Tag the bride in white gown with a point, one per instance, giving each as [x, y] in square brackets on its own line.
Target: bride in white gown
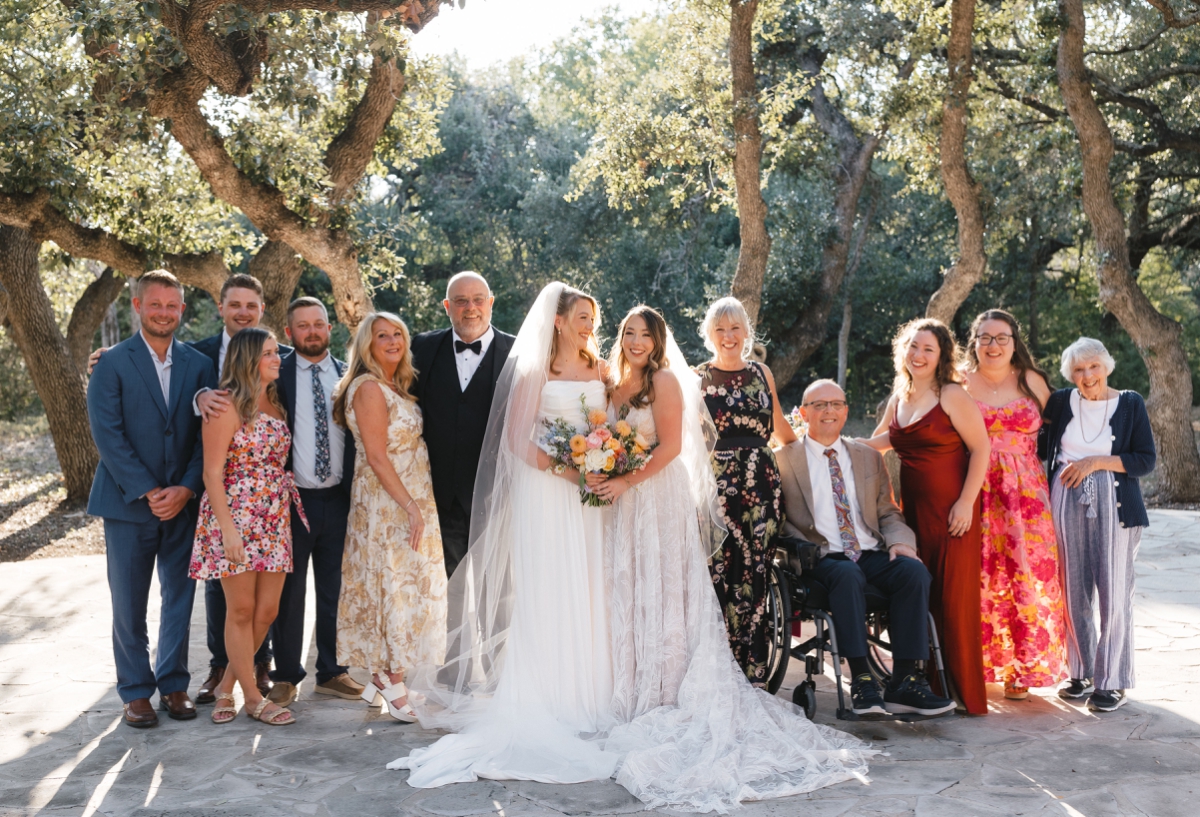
[693, 734]
[528, 678]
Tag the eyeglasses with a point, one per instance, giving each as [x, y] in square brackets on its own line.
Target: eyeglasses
[988, 340]
[477, 302]
[822, 405]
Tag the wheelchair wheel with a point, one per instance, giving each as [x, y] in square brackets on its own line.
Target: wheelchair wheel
[805, 697]
[879, 656]
[779, 628]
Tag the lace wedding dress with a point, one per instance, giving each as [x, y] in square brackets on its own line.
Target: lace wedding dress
[694, 734]
[556, 680]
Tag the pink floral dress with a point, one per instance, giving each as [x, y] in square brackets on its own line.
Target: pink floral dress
[260, 493]
[1022, 601]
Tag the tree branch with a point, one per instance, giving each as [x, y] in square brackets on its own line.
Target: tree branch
[352, 150]
[88, 314]
[1155, 77]
[33, 212]
[1169, 17]
[1008, 92]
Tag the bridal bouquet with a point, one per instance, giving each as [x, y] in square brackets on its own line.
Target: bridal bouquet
[609, 449]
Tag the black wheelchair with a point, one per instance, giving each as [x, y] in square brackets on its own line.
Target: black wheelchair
[795, 596]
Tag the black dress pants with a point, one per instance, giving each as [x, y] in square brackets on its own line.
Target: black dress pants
[328, 510]
[904, 581]
[455, 522]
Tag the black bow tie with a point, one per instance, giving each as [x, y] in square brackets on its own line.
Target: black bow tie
[476, 347]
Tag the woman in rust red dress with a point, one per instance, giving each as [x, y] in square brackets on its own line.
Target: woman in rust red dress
[937, 431]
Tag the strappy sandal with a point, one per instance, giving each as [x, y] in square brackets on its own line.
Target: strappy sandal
[220, 713]
[280, 717]
[392, 692]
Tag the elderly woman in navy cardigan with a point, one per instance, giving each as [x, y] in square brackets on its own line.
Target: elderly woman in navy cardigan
[1097, 442]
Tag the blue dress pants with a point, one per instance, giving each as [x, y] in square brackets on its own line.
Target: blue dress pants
[133, 549]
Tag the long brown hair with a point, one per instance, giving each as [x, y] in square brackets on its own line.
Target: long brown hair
[949, 354]
[566, 302]
[1022, 360]
[657, 359]
[240, 373]
[362, 361]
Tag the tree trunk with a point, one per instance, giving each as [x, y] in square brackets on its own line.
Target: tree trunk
[278, 267]
[850, 174]
[755, 247]
[848, 299]
[90, 311]
[1156, 336]
[48, 360]
[961, 188]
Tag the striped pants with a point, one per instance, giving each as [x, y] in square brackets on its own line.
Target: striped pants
[1096, 559]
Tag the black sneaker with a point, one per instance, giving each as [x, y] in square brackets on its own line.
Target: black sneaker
[1077, 688]
[864, 696]
[913, 696]
[1106, 700]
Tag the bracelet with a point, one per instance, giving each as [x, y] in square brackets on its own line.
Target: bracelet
[408, 504]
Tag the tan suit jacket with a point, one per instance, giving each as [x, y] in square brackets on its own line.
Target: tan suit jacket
[877, 508]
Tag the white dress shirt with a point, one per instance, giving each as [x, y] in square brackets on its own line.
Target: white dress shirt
[467, 361]
[304, 435]
[162, 368]
[221, 355]
[824, 510]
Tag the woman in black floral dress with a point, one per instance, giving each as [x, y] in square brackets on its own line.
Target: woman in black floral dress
[740, 395]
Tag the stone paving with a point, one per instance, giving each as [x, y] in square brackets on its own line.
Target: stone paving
[64, 751]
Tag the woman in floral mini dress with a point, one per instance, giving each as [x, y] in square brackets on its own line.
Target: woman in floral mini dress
[1024, 628]
[244, 532]
[740, 395]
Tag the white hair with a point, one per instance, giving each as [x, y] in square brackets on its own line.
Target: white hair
[1082, 350]
[727, 307]
[458, 276]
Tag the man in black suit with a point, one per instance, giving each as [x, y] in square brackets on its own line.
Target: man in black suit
[457, 370]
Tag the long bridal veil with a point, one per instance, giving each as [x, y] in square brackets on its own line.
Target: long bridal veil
[480, 594]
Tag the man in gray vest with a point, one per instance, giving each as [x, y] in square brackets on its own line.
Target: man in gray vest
[457, 370]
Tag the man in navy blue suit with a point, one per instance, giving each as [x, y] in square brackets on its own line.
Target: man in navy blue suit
[150, 473]
[322, 459]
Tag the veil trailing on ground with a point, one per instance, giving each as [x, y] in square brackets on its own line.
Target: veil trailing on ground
[699, 439]
[480, 593]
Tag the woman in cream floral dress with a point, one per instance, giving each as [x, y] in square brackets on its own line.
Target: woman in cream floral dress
[392, 610]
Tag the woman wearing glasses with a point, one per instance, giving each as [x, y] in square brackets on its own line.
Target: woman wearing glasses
[938, 434]
[1021, 595]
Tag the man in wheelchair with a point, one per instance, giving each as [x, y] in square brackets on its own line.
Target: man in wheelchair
[837, 494]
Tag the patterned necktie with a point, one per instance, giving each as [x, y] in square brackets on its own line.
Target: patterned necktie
[850, 544]
[323, 468]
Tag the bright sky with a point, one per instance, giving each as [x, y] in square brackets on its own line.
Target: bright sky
[491, 31]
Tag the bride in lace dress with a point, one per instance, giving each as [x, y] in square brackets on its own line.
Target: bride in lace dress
[527, 682]
[692, 732]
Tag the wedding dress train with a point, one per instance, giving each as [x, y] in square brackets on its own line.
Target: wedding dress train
[695, 735]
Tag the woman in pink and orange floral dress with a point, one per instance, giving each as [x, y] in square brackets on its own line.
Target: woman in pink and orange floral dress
[1024, 627]
[244, 532]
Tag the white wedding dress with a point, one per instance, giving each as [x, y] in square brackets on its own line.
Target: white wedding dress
[694, 734]
[556, 680]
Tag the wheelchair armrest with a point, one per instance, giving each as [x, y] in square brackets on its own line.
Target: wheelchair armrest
[799, 555]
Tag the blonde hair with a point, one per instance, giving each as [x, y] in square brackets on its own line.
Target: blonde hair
[566, 300]
[362, 361]
[240, 374]
[727, 307]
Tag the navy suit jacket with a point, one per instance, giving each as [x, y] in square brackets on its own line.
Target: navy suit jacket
[287, 395]
[211, 346]
[144, 441]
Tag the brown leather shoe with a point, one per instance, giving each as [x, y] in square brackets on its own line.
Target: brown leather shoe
[178, 705]
[140, 714]
[261, 678]
[207, 693]
[283, 694]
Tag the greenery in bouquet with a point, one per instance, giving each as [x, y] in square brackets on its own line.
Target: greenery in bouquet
[604, 449]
